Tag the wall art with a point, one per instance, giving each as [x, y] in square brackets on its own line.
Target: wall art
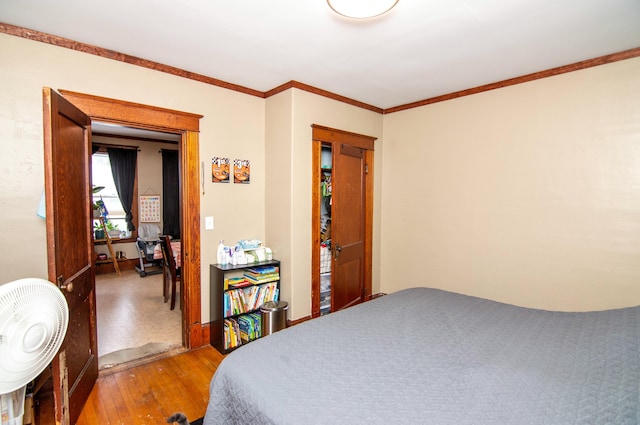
[220, 169]
[241, 171]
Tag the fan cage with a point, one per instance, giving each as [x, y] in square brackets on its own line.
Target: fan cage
[33, 321]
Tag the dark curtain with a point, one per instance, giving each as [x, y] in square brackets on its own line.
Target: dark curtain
[170, 194]
[123, 167]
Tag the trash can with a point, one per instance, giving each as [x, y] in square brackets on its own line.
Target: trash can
[274, 316]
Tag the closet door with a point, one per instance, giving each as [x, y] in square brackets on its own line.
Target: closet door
[348, 226]
[351, 217]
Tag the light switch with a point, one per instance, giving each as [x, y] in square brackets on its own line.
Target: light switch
[208, 223]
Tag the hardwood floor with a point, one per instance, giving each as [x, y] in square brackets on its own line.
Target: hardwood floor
[149, 393]
[145, 373]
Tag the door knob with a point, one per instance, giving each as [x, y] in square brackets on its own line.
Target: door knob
[68, 287]
[337, 250]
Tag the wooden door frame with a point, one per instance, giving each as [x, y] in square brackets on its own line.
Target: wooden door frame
[188, 126]
[329, 136]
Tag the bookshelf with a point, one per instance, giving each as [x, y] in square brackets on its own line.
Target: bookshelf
[236, 304]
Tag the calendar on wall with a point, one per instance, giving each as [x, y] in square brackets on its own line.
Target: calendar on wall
[150, 208]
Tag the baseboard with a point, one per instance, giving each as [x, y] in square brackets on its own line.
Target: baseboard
[298, 321]
[125, 264]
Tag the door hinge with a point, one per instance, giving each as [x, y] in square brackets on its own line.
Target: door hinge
[366, 168]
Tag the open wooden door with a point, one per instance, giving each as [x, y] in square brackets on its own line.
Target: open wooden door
[348, 226]
[67, 132]
[154, 118]
[351, 217]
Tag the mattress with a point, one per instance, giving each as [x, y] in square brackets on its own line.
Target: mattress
[427, 356]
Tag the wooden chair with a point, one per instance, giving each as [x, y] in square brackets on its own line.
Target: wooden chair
[171, 272]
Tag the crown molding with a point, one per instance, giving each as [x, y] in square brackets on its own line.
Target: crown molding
[305, 87]
[121, 57]
[602, 60]
[110, 54]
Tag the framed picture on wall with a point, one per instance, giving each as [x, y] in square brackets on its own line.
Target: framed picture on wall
[220, 169]
[241, 171]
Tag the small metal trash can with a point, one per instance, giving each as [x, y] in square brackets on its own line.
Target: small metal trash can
[274, 316]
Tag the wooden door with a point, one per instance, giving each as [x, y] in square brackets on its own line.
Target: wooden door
[154, 118]
[348, 226]
[67, 150]
[351, 217]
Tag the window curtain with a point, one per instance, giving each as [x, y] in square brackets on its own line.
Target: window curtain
[170, 194]
[123, 167]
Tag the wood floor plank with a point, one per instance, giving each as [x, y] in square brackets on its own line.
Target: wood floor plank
[140, 402]
[147, 394]
[117, 407]
[166, 388]
[179, 387]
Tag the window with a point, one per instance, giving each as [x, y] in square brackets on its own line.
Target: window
[102, 176]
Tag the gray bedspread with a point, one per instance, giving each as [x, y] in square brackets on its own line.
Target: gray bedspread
[427, 356]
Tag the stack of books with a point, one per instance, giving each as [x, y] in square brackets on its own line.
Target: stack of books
[236, 282]
[262, 274]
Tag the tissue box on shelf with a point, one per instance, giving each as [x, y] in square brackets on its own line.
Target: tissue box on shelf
[249, 243]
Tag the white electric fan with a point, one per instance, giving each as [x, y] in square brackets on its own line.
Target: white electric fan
[33, 321]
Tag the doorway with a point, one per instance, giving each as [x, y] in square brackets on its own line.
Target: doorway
[134, 319]
[67, 123]
[187, 126]
[342, 219]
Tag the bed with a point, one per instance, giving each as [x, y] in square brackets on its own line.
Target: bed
[427, 356]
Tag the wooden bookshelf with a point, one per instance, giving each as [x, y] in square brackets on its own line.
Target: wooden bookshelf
[217, 276]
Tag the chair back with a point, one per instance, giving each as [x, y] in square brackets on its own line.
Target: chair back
[167, 253]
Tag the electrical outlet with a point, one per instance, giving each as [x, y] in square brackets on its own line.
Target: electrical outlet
[208, 223]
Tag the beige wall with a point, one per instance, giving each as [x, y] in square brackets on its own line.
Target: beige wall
[278, 190]
[291, 114]
[528, 194]
[149, 179]
[232, 126]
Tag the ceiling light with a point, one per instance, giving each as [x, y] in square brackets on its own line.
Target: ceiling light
[361, 9]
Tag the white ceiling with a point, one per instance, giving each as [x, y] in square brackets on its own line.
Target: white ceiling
[103, 128]
[422, 49]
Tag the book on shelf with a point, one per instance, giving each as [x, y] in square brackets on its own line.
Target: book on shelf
[258, 276]
[236, 306]
[260, 270]
[236, 282]
[231, 334]
[257, 322]
[247, 325]
[257, 280]
[246, 330]
[244, 300]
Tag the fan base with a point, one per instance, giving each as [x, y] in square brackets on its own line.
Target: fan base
[12, 407]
